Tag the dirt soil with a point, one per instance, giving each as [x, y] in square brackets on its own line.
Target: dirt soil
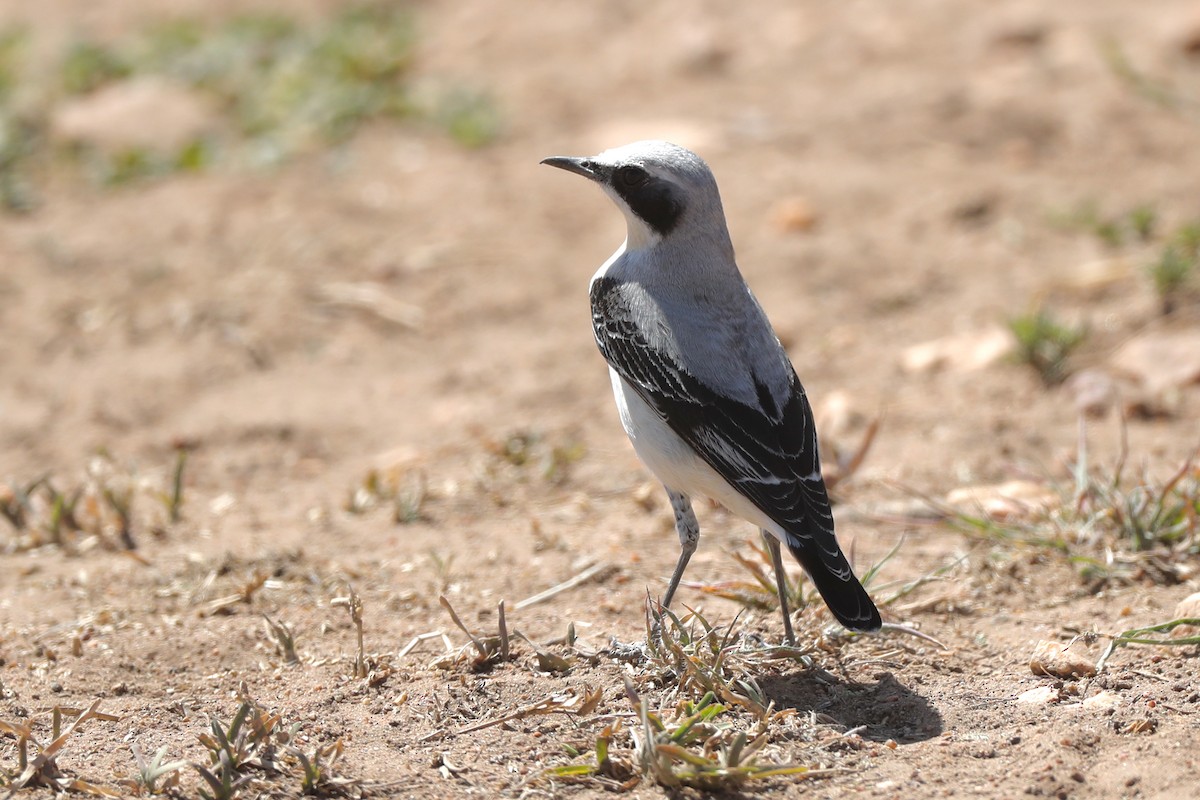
[893, 174]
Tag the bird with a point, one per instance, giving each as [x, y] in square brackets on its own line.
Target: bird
[704, 388]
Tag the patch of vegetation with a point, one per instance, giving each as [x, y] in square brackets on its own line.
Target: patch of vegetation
[1139, 224]
[37, 760]
[21, 137]
[470, 117]
[98, 511]
[483, 651]
[1174, 269]
[524, 450]
[88, 65]
[283, 86]
[1151, 88]
[759, 592]
[290, 86]
[284, 638]
[257, 744]
[151, 771]
[1141, 514]
[1175, 273]
[404, 493]
[1113, 525]
[710, 729]
[354, 606]
[133, 164]
[1045, 343]
[703, 659]
[694, 714]
[692, 747]
[12, 47]
[1152, 635]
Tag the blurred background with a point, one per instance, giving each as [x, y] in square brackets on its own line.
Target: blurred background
[309, 241]
[227, 218]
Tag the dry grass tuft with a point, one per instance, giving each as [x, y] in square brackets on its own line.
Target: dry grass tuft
[101, 510]
[43, 769]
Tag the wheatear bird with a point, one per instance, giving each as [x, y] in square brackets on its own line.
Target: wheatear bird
[704, 388]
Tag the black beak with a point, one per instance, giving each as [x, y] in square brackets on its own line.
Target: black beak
[580, 166]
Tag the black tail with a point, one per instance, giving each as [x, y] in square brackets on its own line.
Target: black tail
[844, 595]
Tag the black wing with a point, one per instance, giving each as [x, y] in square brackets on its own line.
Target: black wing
[769, 454]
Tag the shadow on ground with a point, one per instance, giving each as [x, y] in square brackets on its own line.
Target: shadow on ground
[888, 709]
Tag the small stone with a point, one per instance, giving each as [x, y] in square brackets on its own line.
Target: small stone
[963, 352]
[837, 414]
[1162, 361]
[646, 496]
[116, 117]
[1188, 607]
[1103, 700]
[1051, 658]
[794, 215]
[1011, 500]
[1039, 696]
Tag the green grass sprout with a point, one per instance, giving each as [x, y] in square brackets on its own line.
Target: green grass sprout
[151, 771]
[1142, 636]
[1045, 343]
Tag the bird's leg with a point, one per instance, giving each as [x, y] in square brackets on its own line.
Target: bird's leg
[780, 583]
[689, 536]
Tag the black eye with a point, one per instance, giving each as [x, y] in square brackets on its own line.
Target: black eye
[631, 176]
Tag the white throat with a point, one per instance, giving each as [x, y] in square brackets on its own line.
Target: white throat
[638, 235]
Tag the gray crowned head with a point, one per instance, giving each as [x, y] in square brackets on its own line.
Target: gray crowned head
[664, 190]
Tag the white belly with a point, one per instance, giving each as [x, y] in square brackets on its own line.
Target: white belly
[674, 462]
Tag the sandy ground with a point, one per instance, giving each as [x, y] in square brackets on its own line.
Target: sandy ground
[893, 174]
